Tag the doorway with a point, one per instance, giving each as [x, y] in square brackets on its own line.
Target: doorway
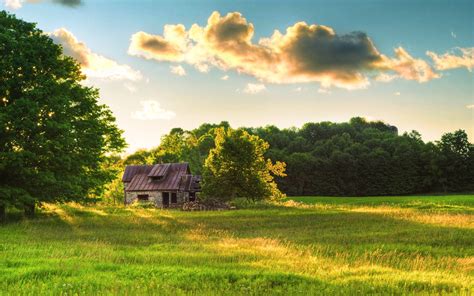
[174, 198]
[166, 199]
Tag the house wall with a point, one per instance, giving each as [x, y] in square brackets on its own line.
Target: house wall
[156, 197]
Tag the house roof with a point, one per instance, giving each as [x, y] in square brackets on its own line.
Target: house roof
[160, 177]
[190, 183]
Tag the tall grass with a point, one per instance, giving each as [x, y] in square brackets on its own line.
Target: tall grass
[389, 245]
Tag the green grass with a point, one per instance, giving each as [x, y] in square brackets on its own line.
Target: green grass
[305, 245]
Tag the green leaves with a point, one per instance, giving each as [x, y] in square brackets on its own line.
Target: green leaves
[236, 167]
[53, 133]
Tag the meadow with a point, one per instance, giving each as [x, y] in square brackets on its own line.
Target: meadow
[302, 245]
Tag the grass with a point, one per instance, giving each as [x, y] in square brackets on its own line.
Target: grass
[304, 245]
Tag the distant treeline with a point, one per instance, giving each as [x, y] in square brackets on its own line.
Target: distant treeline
[351, 159]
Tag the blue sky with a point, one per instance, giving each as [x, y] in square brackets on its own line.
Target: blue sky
[150, 103]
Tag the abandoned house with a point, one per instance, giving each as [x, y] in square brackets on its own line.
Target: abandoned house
[165, 185]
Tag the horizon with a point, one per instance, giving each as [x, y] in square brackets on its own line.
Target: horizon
[157, 71]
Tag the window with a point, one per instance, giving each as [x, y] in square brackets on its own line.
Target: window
[174, 198]
[142, 197]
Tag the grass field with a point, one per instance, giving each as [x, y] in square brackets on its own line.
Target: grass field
[304, 245]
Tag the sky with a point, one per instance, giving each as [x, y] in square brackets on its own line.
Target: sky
[166, 64]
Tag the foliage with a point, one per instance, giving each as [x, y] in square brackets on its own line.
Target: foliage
[54, 136]
[366, 246]
[236, 167]
[354, 158]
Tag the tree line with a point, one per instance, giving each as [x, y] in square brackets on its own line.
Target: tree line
[354, 158]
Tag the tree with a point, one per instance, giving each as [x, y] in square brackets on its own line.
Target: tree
[236, 167]
[456, 162]
[54, 136]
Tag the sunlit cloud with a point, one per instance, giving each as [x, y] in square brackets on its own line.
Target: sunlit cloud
[298, 89]
[470, 106]
[397, 93]
[151, 110]
[254, 88]
[93, 65]
[178, 70]
[225, 77]
[303, 53]
[458, 58]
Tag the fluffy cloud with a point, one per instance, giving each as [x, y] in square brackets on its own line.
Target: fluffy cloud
[254, 88]
[451, 60]
[178, 70]
[152, 110]
[303, 53]
[225, 77]
[93, 64]
[470, 106]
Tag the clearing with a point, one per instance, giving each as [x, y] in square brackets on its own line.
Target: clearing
[304, 245]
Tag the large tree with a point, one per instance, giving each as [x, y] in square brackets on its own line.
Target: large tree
[236, 167]
[54, 135]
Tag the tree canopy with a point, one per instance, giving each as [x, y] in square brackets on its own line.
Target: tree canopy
[353, 158]
[54, 135]
[236, 167]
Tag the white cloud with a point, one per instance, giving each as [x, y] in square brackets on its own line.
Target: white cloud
[298, 89]
[397, 93]
[93, 65]
[152, 110]
[254, 88]
[13, 4]
[225, 77]
[470, 106]
[178, 70]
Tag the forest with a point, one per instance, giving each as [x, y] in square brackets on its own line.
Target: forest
[355, 158]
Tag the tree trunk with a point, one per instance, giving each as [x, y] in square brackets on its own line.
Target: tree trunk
[3, 213]
[29, 210]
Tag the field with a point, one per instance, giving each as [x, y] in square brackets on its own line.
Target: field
[304, 245]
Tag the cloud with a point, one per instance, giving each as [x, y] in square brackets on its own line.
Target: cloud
[152, 110]
[397, 93]
[70, 3]
[170, 47]
[13, 4]
[453, 35]
[225, 77]
[303, 53]
[17, 4]
[254, 88]
[410, 68]
[470, 106]
[178, 70]
[449, 61]
[93, 65]
[298, 89]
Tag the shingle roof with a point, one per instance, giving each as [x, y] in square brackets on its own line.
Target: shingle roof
[141, 181]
